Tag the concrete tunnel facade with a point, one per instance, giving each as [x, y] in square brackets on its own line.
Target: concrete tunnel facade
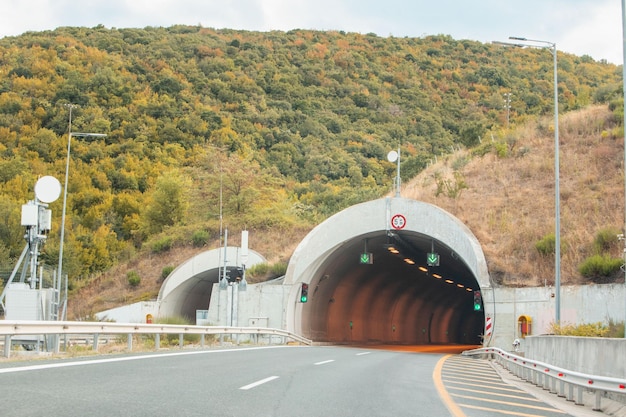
[398, 298]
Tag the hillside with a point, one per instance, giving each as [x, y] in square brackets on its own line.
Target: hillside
[507, 200]
[272, 132]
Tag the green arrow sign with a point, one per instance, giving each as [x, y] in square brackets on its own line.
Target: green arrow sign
[432, 259]
[366, 258]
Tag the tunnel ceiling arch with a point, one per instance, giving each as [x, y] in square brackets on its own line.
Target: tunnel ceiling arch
[398, 298]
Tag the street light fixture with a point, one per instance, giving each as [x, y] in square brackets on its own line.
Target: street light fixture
[551, 46]
[67, 170]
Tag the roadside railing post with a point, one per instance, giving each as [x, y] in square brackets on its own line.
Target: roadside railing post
[129, 345]
[570, 392]
[598, 406]
[7, 346]
[95, 342]
[157, 341]
[579, 399]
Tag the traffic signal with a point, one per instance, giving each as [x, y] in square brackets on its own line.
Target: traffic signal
[304, 293]
[478, 302]
[234, 274]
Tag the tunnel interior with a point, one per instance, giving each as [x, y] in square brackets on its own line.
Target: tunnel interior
[195, 293]
[398, 298]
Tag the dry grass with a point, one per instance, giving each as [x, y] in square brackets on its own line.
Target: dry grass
[508, 205]
[510, 201]
[111, 289]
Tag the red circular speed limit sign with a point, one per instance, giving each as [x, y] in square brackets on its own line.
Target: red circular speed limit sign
[398, 221]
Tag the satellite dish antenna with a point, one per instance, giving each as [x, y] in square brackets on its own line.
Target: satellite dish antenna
[392, 156]
[47, 189]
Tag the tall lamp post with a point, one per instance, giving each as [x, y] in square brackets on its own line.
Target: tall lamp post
[67, 171]
[551, 46]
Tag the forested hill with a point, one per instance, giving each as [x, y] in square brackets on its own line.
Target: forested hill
[290, 126]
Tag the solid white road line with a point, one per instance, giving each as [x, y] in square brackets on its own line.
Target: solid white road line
[123, 358]
[261, 382]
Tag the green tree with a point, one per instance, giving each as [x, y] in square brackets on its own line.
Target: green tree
[168, 203]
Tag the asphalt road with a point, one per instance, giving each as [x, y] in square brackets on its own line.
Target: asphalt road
[278, 381]
[257, 382]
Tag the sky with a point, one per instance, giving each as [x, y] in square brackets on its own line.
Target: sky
[580, 27]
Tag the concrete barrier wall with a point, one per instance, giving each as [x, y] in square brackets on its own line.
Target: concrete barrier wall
[588, 355]
[580, 304]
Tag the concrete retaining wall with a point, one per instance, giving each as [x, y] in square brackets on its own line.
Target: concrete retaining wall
[588, 355]
[579, 304]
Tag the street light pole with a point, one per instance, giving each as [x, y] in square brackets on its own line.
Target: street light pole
[551, 46]
[70, 134]
[67, 170]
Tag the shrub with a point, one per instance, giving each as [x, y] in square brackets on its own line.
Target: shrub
[200, 238]
[482, 150]
[162, 245]
[278, 269]
[259, 269]
[600, 267]
[584, 330]
[264, 271]
[502, 150]
[546, 246]
[166, 271]
[133, 278]
[606, 239]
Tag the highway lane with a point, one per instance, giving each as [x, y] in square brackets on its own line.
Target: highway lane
[268, 381]
[277, 381]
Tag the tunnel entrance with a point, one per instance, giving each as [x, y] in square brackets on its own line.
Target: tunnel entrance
[403, 296]
[398, 298]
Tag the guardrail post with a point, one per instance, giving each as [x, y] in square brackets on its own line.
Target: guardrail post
[570, 392]
[561, 392]
[130, 342]
[202, 340]
[157, 341]
[553, 385]
[579, 400]
[7, 346]
[598, 406]
[95, 342]
[181, 340]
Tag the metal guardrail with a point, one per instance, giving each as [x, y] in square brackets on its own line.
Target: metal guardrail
[559, 381]
[13, 330]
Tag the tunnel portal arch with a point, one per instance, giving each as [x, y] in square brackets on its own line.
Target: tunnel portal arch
[188, 287]
[398, 298]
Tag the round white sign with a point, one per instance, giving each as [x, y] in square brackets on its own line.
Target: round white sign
[47, 189]
[392, 156]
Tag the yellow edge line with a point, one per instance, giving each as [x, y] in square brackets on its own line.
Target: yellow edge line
[454, 409]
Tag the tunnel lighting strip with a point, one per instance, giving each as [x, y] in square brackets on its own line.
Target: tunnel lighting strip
[393, 249]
